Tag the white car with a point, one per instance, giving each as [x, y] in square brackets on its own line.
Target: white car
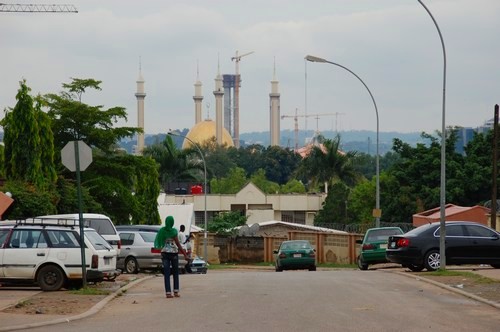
[100, 222]
[50, 255]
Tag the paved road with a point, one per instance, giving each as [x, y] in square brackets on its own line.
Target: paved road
[339, 300]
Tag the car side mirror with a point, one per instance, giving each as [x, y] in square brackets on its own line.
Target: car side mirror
[275, 251]
[359, 241]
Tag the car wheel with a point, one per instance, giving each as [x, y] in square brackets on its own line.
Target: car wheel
[432, 260]
[131, 265]
[496, 266]
[278, 269]
[50, 278]
[312, 268]
[415, 268]
[361, 264]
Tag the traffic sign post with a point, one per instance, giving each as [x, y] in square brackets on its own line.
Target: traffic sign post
[77, 156]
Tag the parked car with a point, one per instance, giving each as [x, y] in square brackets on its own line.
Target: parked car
[50, 255]
[295, 255]
[466, 243]
[100, 222]
[374, 244]
[137, 253]
[197, 265]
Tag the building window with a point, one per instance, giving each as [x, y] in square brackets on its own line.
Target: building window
[296, 217]
[199, 217]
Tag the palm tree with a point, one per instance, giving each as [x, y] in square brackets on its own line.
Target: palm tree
[174, 164]
[325, 163]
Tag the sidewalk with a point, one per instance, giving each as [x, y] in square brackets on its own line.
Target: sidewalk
[12, 296]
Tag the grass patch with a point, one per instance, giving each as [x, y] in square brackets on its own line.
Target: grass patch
[22, 304]
[469, 275]
[89, 291]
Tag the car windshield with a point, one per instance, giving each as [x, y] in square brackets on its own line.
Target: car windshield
[295, 245]
[97, 240]
[382, 234]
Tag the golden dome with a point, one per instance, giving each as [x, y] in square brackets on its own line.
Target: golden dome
[205, 130]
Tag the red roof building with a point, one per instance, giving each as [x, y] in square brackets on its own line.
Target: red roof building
[453, 213]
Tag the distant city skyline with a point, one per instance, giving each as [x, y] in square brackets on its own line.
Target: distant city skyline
[392, 44]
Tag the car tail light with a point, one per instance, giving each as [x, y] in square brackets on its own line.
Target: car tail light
[95, 262]
[368, 246]
[312, 254]
[282, 255]
[403, 243]
[155, 250]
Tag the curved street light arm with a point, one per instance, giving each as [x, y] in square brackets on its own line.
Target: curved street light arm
[377, 194]
[442, 198]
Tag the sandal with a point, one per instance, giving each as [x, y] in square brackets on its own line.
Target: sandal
[176, 294]
[169, 295]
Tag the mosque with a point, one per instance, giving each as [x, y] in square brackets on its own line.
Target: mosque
[250, 200]
[225, 129]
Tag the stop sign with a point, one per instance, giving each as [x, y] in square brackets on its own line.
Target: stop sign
[69, 155]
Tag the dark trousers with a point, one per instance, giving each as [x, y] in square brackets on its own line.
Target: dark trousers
[170, 265]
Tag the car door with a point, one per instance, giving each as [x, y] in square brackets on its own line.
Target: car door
[458, 245]
[25, 250]
[485, 244]
[4, 232]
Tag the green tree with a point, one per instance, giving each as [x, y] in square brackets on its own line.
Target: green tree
[279, 164]
[231, 184]
[126, 186]
[23, 145]
[175, 164]
[73, 120]
[225, 223]
[260, 180]
[335, 206]
[293, 186]
[326, 164]
[29, 201]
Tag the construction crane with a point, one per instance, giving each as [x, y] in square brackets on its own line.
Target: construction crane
[236, 107]
[296, 121]
[37, 8]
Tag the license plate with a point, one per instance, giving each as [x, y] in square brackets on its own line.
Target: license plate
[383, 246]
[194, 269]
[107, 261]
[297, 255]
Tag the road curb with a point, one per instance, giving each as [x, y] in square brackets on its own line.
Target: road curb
[449, 288]
[95, 309]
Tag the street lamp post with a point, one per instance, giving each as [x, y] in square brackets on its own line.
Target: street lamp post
[376, 212]
[205, 237]
[442, 198]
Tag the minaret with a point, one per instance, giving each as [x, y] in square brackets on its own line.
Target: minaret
[198, 97]
[218, 93]
[140, 95]
[274, 108]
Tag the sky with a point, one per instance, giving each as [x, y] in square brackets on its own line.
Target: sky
[393, 46]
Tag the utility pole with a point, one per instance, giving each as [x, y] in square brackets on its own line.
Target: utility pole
[37, 8]
[236, 133]
[493, 212]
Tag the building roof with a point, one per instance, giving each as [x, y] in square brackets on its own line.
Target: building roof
[450, 210]
[300, 226]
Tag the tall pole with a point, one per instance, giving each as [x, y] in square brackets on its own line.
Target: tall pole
[377, 213]
[442, 203]
[205, 234]
[493, 213]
